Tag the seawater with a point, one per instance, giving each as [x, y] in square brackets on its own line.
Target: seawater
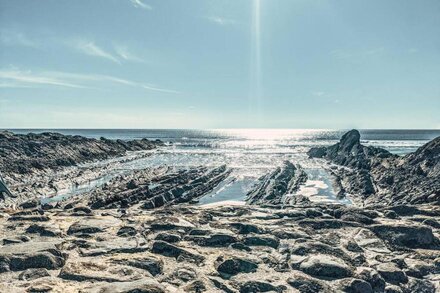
[250, 153]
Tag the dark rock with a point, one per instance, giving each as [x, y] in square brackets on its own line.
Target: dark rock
[356, 286]
[233, 266]
[126, 231]
[261, 241]
[258, 286]
[167, 237]
[43, 230]
[166, 249]
[307, 285]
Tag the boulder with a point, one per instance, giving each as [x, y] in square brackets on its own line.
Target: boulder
[324, 266]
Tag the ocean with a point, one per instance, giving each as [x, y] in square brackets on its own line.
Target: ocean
[250, 153]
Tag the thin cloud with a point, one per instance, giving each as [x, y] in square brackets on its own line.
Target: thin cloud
[140, 4]
[220, 20]
[27, 78]
[91, 49]
[127, 55]
[71, 80]
[14, 38]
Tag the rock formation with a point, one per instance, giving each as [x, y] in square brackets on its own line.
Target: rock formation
[380, 177]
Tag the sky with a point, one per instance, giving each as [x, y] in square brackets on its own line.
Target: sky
[220, 64]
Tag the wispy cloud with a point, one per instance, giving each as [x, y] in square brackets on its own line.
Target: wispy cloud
[124, 53]
[140, 4]
[27, 78]
[16, 78]
[14, 38]
[220, 20]
[91, 49]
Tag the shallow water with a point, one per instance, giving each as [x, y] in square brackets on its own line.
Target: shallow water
[250, 153]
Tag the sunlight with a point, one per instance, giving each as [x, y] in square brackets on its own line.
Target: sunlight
[255, 67]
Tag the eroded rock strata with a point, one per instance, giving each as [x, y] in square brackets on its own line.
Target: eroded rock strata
[187, 248]
[279, 186]
[380, 177]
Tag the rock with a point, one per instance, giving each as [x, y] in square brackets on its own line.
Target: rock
[98, 272]
[168, 237]
[407, 236]
[197, 286]
[356, 286]
[126, 231]
[258, 286]
[276, 186]
[137, 286]
[307, 285]
[31, 204]
[152, 265]
[43, 230]
[166, 249]
[372, 277]
[49, 260]
[233, 266]
[391, 273]
[32, 274]
[261, 241]
[78, 228]
[215, 240]
[324, 266]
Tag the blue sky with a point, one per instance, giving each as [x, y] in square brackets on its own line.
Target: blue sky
[219, 64]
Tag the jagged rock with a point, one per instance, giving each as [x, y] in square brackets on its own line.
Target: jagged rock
[126, 231]
[278, 186]
[381, 177]
[215, 240]
[259, 286]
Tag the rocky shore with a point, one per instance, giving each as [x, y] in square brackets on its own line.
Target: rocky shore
[143, 231]
[379, 177]
[187, 248]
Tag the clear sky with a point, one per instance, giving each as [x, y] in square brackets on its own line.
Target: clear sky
[220, 64]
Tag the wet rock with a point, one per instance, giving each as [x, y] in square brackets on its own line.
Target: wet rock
[324, 266]
[274, 188]
[233, 266]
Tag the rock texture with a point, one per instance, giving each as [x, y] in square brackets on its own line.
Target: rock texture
[35, 165]
[279, 186]
[381, 177]
[319, 248]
